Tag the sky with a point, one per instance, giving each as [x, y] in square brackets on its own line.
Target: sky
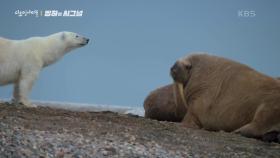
[135, 42]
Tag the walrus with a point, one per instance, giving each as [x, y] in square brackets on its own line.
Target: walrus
[221, 94]
[161, 105]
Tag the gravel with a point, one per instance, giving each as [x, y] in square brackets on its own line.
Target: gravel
[48, 132]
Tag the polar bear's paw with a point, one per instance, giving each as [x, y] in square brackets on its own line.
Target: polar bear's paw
[29, 105]
[23, 103]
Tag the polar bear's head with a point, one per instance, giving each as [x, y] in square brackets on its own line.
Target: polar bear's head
[73, 40]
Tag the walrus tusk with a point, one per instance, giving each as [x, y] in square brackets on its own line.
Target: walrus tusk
[180, 88]
[175, 95]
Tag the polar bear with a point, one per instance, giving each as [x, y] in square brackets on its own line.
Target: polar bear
[22, 60]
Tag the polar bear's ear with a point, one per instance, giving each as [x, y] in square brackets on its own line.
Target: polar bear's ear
[63, 36]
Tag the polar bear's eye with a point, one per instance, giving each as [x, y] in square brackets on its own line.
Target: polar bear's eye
[77, 36]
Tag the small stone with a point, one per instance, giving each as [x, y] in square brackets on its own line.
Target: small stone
[60, 153]
[105, 153]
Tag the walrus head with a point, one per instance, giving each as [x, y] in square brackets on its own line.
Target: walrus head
[180, 72]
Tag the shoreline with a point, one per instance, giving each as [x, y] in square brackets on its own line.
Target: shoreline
[83, 107]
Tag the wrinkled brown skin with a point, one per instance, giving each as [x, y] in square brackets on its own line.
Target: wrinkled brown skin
[222, 94]
[160, 105]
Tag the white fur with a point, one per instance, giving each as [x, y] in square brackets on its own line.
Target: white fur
[22, 60]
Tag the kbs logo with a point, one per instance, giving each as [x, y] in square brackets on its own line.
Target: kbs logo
[246, 13]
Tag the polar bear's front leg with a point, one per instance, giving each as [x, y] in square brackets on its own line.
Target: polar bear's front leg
[25, 84]
[16, 92]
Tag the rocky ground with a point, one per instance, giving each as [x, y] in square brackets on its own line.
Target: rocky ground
[48, 132]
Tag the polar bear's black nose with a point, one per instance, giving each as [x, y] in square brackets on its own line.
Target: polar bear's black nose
[86, 40]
